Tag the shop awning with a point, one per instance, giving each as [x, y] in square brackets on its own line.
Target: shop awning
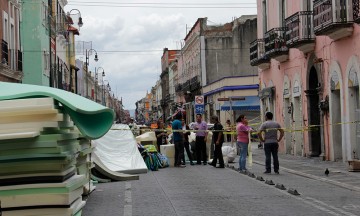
[250, 103]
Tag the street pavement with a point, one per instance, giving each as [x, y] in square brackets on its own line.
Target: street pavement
[204, 190]
[313, 168]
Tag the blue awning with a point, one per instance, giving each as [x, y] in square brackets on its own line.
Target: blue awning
[251, 103]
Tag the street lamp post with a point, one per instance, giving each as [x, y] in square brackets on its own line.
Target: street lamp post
[53, 21]
[87, 53]
[102, 78]
[80, 22]
[103, 87]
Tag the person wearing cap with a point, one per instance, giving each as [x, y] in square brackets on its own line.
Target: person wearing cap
[271, 141]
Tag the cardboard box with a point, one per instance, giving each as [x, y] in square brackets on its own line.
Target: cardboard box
[168, 150]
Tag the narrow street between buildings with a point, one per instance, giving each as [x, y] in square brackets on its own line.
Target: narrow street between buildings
[205, 190]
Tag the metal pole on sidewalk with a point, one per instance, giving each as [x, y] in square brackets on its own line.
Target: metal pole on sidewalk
[232, 120]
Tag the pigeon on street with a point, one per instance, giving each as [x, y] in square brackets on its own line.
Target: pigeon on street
[327, 172]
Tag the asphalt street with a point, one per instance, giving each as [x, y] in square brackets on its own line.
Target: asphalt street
[205, 190]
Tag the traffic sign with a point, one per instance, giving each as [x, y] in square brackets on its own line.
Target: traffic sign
[199, 109]
[199, 99]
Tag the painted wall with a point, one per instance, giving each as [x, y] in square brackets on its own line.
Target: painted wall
[227, 48]
[35, 40]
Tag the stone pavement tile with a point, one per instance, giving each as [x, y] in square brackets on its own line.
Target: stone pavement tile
[107, 199]
[309, 167]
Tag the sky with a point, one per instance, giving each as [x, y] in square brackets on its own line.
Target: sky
[129, 36]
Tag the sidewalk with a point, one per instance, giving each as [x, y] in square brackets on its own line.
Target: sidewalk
[313, 168]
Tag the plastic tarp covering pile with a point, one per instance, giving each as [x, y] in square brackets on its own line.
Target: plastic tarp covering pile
[117, 151]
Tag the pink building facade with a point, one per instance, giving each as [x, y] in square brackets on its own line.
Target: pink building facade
[307, 53]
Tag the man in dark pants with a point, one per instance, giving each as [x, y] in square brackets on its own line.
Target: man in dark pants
[178, 140]
[218, 139]
[271, 141]
[200, 142]
[186, 142]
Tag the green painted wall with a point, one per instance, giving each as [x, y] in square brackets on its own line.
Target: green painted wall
[35, 41]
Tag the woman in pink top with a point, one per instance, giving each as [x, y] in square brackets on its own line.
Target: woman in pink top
[242, 143]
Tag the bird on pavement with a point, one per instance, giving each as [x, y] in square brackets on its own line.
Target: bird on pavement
[327, 172]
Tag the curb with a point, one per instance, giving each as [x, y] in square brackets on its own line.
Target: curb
[343, 185]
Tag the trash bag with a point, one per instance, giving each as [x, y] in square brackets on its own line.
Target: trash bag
[229, 152]
[164, 161]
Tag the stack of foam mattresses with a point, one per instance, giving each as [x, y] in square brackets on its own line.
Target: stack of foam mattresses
[38, 157]
[84, 163]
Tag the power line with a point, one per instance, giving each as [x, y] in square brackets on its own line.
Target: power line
[148, 51]
[158, 3]
[168, 7]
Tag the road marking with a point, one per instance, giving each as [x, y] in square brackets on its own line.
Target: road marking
[351, 207]
[330, 206]
[128, 200]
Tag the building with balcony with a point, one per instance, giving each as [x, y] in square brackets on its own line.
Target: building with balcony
[307, 53]
[158, 99]
[11, 65]
[191, 66]
[167, 58]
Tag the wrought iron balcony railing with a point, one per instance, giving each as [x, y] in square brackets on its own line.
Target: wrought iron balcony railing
[186, 86]
[4, 52]
[257, 53]
[19, 60]
[356, 10]
[299, 29]
[178, 87]
[330, 15]
[275, 43]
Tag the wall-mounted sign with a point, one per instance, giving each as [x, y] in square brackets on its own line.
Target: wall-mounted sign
[199, 100]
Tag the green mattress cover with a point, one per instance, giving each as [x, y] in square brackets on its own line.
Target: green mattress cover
[92, 119]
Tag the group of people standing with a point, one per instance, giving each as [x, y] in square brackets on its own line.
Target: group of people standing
[181, 140]
[270, 139]
[267, 133]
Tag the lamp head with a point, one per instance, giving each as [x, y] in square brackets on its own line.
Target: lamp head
[96, 57]
[103, 73]
[80, 23]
